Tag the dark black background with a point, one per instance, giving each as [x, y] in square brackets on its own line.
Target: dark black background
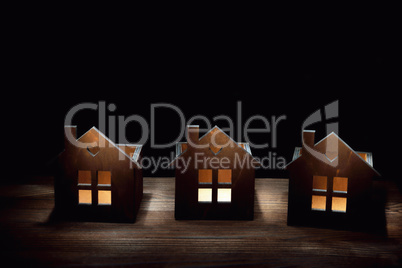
[276, 67]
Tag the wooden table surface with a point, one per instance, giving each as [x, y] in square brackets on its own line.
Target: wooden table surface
[156, 239]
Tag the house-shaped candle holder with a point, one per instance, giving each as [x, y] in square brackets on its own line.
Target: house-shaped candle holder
[214, 177]
[100, 182]
[330, 184]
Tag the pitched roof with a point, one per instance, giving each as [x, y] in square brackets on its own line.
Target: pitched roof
[131, 151]
[368, 161]
[242, 145]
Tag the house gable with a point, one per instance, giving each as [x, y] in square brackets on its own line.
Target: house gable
[100, 144]
[334, 149]
[213, 143]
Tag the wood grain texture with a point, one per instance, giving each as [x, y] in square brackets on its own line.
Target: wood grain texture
[156, 239]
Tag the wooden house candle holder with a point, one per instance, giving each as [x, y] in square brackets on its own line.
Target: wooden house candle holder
[100, 182]
[330, 184]
[215, 177]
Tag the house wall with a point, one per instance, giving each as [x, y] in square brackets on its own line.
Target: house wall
[186, 195]
[138, 189]
[125, 186]
[301, 183]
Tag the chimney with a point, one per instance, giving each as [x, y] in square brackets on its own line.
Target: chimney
[193, 133]
[308, 138]
[70, 136]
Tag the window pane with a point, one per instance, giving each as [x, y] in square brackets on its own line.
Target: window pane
[225, 176]
[205, 195]
[84, 197]
[84, 176]
[224, 195]
[104, 197]
[205, 176]
[339, 204]
[320, 183]
[104, 177]
[318, 202]
[340, 185]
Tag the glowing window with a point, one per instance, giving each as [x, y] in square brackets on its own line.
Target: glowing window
[318, 202]
[320, 183]
[84, 177]
[224, 176]
[224, 195]
[205, 176]
[340, 185]
[205, 195]
[84, 196]
[104, 178]
[104, 197]
[339, 204]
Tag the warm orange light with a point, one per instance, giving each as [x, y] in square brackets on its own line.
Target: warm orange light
[84, 176]
[340, 185]
[84, 196]
[225, 176]
[104, 177]
[363, 155]
[318, 202]
[320, 183]
[104, 197]
[339, 204]
[205, 176]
